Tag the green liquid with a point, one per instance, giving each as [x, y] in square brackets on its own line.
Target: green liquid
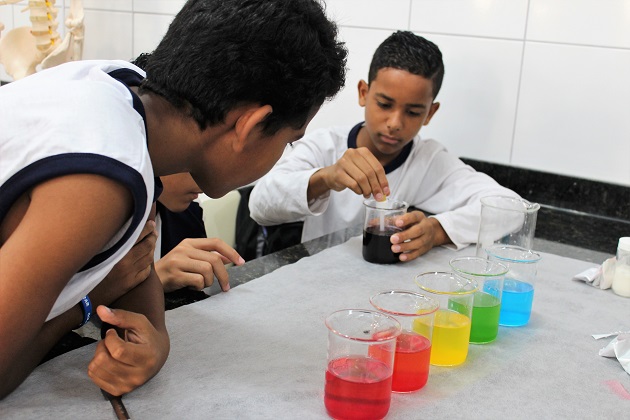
[485, 318]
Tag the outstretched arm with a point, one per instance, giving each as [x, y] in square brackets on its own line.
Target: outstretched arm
[46, 237]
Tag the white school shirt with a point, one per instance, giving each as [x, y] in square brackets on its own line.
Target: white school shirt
[431, 179]
[75, 118]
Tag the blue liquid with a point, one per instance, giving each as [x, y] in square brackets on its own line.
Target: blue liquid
[516, 304]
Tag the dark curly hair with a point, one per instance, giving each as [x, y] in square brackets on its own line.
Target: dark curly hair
[218, 54]
[407, 51]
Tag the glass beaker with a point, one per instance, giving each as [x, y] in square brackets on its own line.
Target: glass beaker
[361, 346]
[506, 220]
[378, 228]
[518, 286]
[413, 346]
[489, 276]
[451, 326]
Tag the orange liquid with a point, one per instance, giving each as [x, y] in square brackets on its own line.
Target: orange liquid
[411, 362]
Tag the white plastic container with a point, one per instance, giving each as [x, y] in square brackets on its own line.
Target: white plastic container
[621, 280]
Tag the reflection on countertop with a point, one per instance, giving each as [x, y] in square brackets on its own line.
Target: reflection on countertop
[578, 218]
[266, 264]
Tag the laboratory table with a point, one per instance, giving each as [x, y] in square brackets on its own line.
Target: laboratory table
[259, 350]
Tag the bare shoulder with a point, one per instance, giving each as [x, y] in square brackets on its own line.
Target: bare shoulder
[60, 224]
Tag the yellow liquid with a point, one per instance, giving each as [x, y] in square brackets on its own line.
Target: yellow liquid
[451, 332]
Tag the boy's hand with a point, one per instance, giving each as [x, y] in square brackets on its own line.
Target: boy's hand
[357, 170]
[130, 271]
[420, 234]
[122, 364]
[195, 262]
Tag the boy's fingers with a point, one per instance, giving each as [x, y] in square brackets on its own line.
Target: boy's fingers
[222, 277]
[149, 227]
[218, 271]
[123, 351]
[219, 246]
[360, 177]
[209, 265]
[375, 172]
[226, 260]
[122, 319]
[363, 167]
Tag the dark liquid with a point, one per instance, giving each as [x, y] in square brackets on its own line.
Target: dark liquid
[376, 245]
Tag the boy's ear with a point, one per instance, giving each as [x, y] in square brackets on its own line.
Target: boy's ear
[363, 88]
[434, 107]
[247, 122]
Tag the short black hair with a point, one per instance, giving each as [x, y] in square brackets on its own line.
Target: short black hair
[407, 51]
[219, 54]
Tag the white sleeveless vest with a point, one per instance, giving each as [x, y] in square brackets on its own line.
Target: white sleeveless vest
[76, 118]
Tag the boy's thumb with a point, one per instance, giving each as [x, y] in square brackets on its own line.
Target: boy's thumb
[105, 313]
[116, 318]
[119, 318]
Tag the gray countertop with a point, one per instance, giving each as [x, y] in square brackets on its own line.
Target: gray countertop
[268, 263]
[259, 351]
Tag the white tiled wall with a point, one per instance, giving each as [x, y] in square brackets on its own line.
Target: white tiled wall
[542, 84]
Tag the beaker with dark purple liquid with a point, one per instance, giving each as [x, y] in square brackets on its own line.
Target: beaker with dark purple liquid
[379, 226]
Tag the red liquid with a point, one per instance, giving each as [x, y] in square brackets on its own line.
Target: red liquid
[411, 363]
[357, 388]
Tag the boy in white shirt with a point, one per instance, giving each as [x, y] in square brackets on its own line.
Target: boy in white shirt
[323, 179]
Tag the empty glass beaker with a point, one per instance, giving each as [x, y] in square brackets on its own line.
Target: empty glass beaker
[508, 221]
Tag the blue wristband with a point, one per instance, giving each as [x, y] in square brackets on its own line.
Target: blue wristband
[86, 306]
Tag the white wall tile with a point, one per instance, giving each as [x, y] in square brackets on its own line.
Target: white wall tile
[573, 114]
[108, 35]
[590, 22]
[20, 18]
[478, 97]
[169, 7]
[148, 31]
[572, 101]
[6, 18]
[109, 5]
[491, 18]
[344, 109]
[390, 14]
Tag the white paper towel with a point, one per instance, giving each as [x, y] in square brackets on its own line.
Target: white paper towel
[601, 276]
[619, 347]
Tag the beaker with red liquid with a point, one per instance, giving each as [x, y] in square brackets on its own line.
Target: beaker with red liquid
[361, 346]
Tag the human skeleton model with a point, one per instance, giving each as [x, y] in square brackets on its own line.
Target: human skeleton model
[23, 49]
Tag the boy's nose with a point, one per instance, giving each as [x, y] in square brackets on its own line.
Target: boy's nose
[394, 122]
